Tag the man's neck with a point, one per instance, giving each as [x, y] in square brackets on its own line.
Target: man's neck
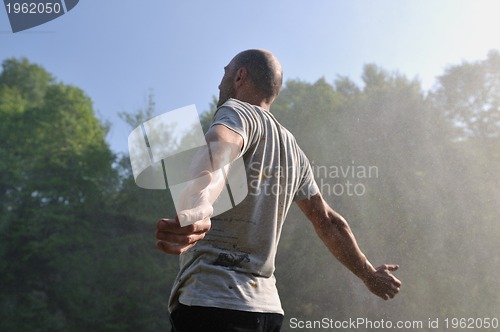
[254, 99]
[265, 106]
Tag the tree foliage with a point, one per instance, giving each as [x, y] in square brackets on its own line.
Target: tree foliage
[429, 206]
[469, 95]
[65, 246]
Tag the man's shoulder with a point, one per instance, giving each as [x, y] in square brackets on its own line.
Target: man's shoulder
[242, 110]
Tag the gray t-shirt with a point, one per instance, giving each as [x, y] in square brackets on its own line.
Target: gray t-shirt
[233, 266]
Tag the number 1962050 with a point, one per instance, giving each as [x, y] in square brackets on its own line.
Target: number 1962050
[33, 8]
[471, 323]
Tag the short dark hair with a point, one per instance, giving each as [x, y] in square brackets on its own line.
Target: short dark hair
[263, 69]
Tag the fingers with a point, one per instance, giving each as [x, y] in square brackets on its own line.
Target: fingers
[383, 283]
[173, 226]
[182, 239]
[391, 267]
[173, 248]
[389, 293]
[174, 239]
[392, 291]
[386, 270]
[396, 282]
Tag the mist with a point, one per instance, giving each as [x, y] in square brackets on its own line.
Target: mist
[430, 203]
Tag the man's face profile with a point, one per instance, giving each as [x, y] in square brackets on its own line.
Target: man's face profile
[226, 86]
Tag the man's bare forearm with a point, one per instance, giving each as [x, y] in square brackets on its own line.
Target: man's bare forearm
[336, 234]
[214, 160]
[222, 148]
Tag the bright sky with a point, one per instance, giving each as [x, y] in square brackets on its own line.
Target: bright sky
[117, 50]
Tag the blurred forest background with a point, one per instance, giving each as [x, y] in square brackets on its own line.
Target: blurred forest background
[77, 236]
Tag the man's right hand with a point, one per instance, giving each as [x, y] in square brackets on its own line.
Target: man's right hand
[174, 239]
[197, 210]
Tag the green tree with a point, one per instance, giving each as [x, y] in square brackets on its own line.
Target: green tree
[30, 80]
[206, 117]
[56, 170]
[76, 234]
[345, 127]
[469, 96]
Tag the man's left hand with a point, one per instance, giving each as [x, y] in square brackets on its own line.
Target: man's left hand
[383, 283]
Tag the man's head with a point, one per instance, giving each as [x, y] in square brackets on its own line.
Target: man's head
[254, 76]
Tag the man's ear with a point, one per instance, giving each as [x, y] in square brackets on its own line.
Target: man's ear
[240, 76]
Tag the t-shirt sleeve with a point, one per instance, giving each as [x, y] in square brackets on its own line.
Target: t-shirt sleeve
[308, 186]
[229, 118]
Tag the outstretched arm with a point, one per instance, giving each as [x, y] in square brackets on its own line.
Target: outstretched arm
[336, 234]
[224, 146]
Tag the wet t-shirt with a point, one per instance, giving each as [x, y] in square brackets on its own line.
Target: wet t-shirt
[233, 266]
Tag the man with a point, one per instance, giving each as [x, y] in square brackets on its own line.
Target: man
[226, 279]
